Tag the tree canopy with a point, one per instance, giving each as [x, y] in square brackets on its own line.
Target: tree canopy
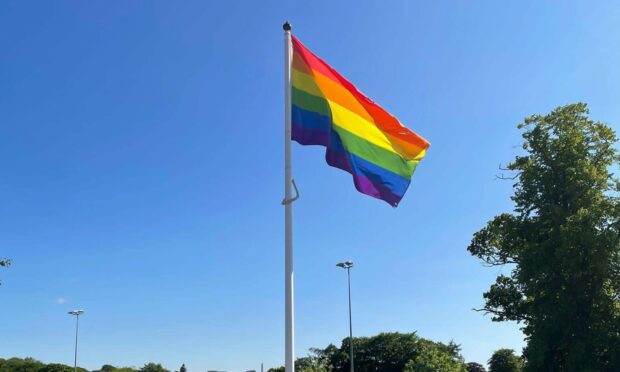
[153, 367]
[561, 244]
[432, 358]
[33, 365]
[505, 360]
[111, 368]
[385, 352]
[475, 367]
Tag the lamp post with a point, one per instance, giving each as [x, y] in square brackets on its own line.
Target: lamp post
[348, 265]
[77, 314]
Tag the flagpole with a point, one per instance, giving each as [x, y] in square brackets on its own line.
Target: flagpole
[289, 309]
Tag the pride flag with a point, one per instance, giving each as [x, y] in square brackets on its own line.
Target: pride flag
[361, 137]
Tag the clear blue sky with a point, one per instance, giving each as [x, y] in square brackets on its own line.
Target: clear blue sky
[141, 170]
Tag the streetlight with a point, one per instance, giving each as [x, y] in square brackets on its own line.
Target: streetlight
[348, 265]
[77, 314]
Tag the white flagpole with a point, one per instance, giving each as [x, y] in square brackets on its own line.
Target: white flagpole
[289, 309]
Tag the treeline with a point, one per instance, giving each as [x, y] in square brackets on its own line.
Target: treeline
[148, 367]
[33, 365]
[400, 352]
[385, 352]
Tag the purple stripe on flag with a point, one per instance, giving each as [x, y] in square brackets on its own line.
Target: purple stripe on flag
[336, 156]
[306, 136]
[342, 160]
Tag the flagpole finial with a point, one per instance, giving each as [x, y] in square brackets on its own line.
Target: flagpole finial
[287, 26]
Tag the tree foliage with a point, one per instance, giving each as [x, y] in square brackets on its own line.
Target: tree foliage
[505, 360]
[33, 365]
[153, 367]
[312, 363]
[474, 367]
[20, 365]
[111, 368]
[56, 367]
[385, 352]
[561, 244]
[433, 358]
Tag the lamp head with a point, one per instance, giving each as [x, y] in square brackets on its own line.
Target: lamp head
[345, 265]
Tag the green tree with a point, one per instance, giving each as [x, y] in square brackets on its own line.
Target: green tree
[475, 367]
[55, 367]
[20, 365]
[331, 356]
[432, 358]
[505, 360]
[152, 367]
[33, 365]
[278, 369]
[111, 368]
[385, 352]
[561, 244]
[312, 363]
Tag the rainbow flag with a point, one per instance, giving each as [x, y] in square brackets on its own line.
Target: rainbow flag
[361, 137]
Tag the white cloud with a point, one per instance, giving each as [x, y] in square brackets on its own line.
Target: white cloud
[60, 300]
